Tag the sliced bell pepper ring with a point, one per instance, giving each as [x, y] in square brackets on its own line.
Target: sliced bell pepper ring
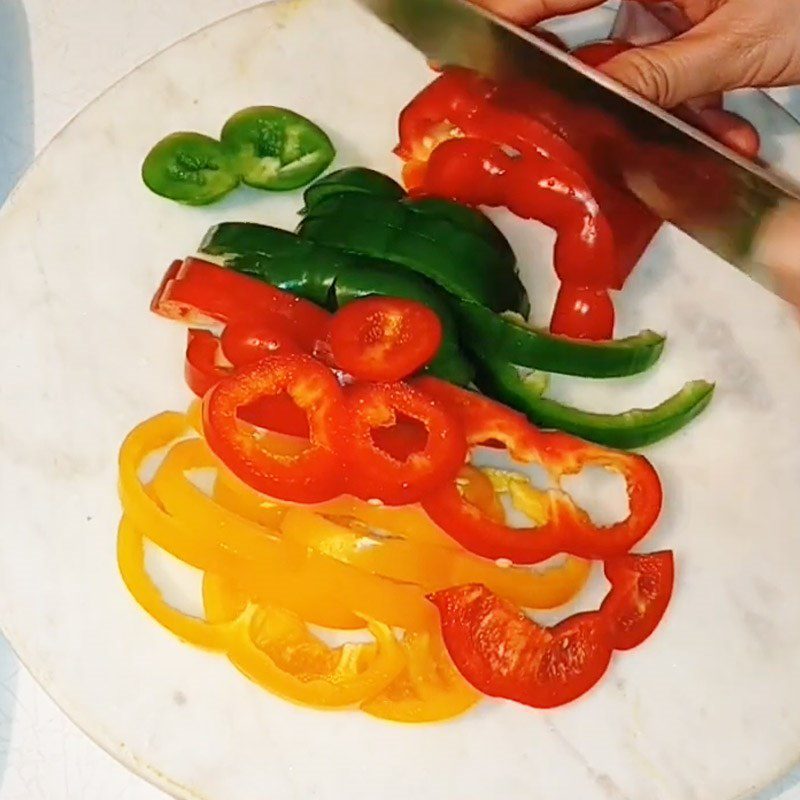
[384, 338]
[275, 649]
[641, 588]
[507, 337]
[314, 474]
[504, 654]
[207, 365]
[130, 558]
[279, 653]
[200, 293]
[193, 527]
[566, 528]
[372, 473]
[432, 567]
[429, 689]
[628, 430]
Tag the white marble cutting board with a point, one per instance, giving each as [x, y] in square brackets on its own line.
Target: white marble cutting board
[707, 709]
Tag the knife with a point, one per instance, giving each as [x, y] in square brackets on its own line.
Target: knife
[458, 33]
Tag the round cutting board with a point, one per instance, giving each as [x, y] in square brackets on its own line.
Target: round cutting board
[706, 710]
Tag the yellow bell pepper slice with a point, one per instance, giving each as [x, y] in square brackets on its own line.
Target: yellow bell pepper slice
[429, 689]
[212, 635]
[431, 567]
[277, 651]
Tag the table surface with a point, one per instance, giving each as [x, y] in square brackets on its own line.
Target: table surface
[54, 59]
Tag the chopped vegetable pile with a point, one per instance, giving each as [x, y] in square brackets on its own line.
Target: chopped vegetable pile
[347, 375]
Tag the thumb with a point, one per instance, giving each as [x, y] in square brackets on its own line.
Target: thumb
[697, 63]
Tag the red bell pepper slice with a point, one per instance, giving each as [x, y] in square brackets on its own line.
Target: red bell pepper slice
[641, 588]
[206, 365]
[199, 293]
[384, 338]
[245, 342]
[313, 475]
[503, 653]
[374, 473]
[568, 528]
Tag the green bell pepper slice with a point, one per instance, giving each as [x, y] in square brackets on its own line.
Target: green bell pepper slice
[510, 339]
[457, 260]
[275, 148]
[351, 179]
[189, 168]
[628, 430]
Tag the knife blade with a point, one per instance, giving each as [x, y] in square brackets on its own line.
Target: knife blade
[459, 33]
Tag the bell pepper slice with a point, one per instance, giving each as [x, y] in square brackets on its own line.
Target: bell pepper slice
[627, 430]
[189, 168]
[275, 148]
[185, 522]
[429, 688]
[455, 258]
[384, 339]
[502, 653]
[207, 365]
[351, 179]
[507, 337]
[641, 588]
[429, 566]
[199, 293]
[130, 559]
[312, 475]
[373, 473]
[566, 528]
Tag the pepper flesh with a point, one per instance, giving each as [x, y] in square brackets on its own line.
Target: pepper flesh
[565, 528]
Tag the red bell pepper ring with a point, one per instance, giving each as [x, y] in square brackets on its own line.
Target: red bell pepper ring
[206, 365]
[199, 293]
[313, 475]
[568, 528]
[583, 313]
[503, 653]
[375, 473]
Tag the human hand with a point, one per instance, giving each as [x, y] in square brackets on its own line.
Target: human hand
[730, 44]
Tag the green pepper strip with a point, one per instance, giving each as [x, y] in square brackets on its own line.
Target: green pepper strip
[508, 338]
[628, 430]
[456, 259]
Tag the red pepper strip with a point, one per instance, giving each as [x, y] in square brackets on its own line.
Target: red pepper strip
[312, 475]
[206, 366]
[568, 528]
[532, 187]
[375, 474]
[201, 293]
[502, 653]
[641, 588]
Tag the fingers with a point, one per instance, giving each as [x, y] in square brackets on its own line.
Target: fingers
[529, 12]
[671, 73]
